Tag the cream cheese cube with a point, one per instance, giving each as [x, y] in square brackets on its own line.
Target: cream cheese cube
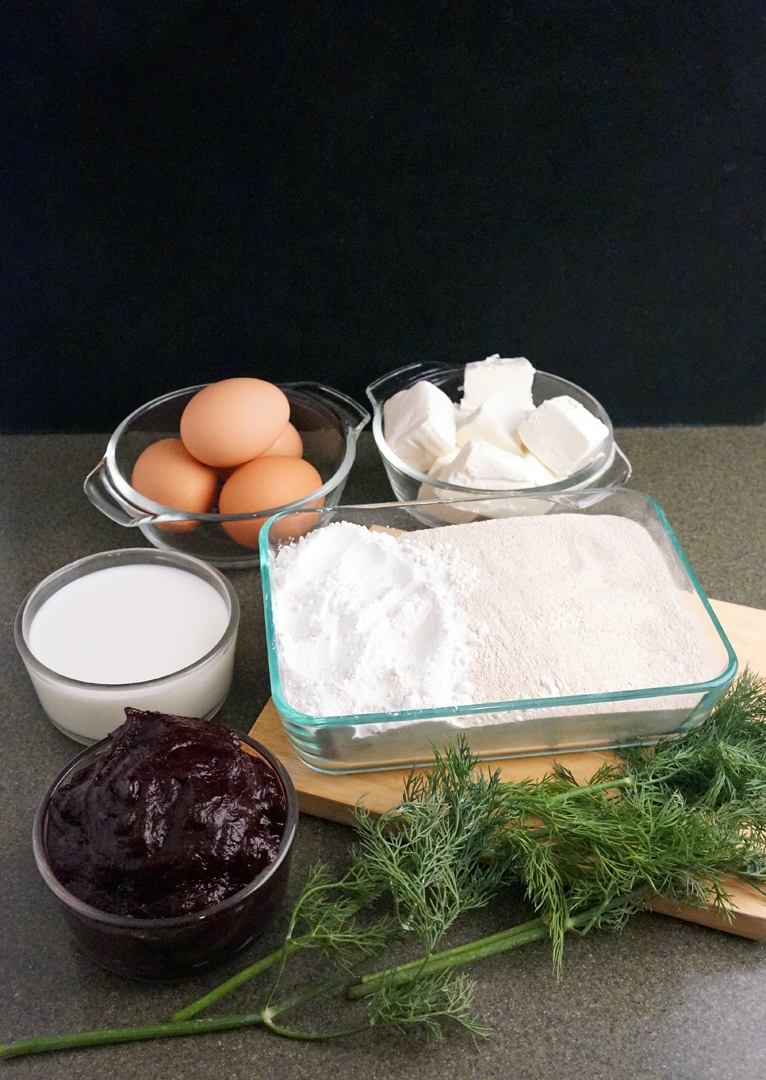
[495, 421]
[512, 375]
[482, 465]
[419, 424]
[563, 435]
[443, 461]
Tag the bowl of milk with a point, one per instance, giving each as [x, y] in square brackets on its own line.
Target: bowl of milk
[134, 627]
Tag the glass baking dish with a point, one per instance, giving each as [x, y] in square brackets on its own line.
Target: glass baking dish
[356, 742]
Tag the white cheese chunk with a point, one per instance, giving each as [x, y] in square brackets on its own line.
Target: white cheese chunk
[495, 421]
[563, 435]
[419, 424]
[444, 460]
[482, 465]
[512, 375]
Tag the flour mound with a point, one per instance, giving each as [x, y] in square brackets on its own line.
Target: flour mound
[367, 623]
[492, 611]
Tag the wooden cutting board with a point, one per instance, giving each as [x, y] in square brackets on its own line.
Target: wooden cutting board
[333, 796]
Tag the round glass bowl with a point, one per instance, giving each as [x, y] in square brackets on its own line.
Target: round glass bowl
[88, 711]
[328, 421]
[608, 470]
[163, 949]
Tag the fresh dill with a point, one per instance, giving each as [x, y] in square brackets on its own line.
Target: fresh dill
[676, 820]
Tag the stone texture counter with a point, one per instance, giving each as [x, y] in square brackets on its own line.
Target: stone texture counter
[660, 999]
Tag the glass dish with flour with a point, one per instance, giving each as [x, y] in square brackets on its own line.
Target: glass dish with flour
[577, 625]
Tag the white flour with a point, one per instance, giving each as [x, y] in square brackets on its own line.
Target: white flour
[368, 623]
[491, 611]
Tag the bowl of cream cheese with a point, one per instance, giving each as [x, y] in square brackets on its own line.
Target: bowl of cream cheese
[497, 425]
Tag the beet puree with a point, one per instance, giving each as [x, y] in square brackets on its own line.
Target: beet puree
[173, 817]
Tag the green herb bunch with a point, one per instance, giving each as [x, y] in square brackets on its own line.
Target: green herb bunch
[675, 821]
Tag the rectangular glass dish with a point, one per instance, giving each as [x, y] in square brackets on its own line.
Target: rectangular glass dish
[355, 742]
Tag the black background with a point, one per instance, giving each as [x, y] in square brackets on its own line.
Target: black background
[194, 189]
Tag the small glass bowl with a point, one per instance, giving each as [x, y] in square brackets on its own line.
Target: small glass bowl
[328, 421]
[518, 728]
[164, 949]
[86, 711]
[608, 470]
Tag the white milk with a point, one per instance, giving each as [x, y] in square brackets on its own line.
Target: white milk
[131, 624]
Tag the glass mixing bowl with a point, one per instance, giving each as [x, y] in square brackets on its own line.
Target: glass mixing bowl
[162, 949]
[88, 711]
[328, 421]
[608, 470]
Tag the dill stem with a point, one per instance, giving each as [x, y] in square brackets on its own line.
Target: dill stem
[305, 996]
[201, 1026]
[290, 946]
[512, 938]
[535, 930]
[139, 1033]
[593, 789]
[573, 792]
[307, 1036]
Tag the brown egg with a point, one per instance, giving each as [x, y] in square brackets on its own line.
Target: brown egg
[263, 484]
[166, 473]
[230, 422]
[289, 444]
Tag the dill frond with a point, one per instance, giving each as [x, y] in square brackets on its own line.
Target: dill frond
[674, 820]
[425, 1004]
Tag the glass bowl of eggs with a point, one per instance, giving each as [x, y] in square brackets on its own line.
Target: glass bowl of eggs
[200, 470]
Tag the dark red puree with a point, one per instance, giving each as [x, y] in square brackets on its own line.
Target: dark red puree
[173, 817]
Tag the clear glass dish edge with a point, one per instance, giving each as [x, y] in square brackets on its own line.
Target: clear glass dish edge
[714, 686]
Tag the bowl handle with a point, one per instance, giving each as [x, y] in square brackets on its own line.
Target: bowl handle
[105, 498]
[353, 415]
[618, 473]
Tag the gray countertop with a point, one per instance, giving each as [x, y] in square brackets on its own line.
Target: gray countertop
[661, 998]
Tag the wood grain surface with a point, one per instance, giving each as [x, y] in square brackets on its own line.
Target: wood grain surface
[333, 796]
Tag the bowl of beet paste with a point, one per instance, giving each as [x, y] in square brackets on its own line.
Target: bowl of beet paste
[167, 844]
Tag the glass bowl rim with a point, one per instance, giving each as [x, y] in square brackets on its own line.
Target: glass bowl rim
[175, 922]
[128, 557]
